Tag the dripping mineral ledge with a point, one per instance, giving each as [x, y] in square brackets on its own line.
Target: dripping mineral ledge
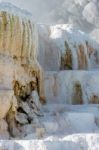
[63, 47]
[21, 76]
[35, 63]
[72, 87]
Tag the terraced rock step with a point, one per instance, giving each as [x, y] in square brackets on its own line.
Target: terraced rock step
[74, 142]
[35, 64]
[62, 126]
[72, 87]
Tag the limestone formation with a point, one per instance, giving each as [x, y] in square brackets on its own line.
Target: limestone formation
[21, 77]
[63, 47]
[72, 87]
[23, 83]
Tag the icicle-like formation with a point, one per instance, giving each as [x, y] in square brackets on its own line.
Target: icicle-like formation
[66, 48]
[21, 76]
[19, 47]
[18, 37]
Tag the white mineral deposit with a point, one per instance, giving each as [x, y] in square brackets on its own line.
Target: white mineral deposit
[49, 75]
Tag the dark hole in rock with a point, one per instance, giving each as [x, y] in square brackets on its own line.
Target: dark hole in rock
[29, 120]
[21, 110]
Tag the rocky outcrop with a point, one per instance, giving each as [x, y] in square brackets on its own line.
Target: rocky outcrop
[18, 48]
[21, 77]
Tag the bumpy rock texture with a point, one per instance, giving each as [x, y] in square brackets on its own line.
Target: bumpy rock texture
[61, 50]
[21, 77]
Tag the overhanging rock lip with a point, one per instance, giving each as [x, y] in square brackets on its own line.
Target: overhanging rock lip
[13, 9]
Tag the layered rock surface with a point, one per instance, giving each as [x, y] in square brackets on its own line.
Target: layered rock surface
[70, 62]
[21, 77]
[63, 48]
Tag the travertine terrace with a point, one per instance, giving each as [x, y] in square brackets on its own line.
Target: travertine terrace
[49, 86]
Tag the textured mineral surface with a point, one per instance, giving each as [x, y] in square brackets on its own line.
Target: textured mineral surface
[49, 85]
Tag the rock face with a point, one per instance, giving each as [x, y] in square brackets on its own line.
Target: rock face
[20, 72]
[16, 38]
[63, 47]
[7, 99]
[18, 50]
